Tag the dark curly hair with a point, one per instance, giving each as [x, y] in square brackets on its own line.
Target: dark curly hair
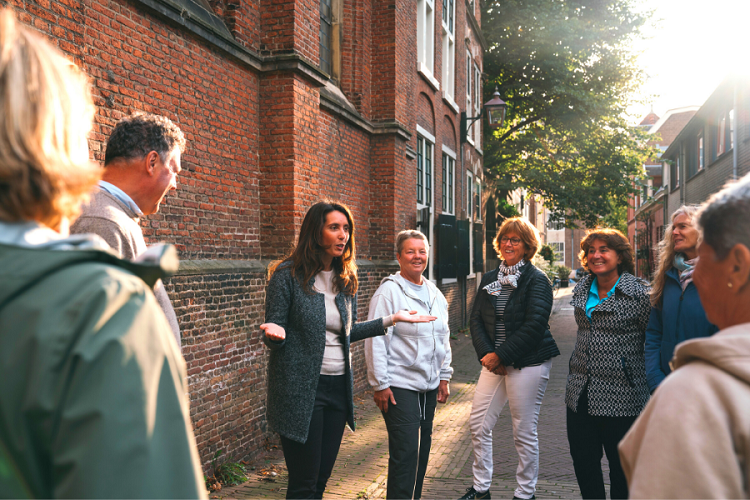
[614, 240]
[137, 135]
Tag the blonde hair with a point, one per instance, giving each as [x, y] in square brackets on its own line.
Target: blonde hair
[667, 254]
[46, 113]
[522, 227]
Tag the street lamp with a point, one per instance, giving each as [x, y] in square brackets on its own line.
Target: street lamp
[495, 115]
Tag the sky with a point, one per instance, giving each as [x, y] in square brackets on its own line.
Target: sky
[691, 46]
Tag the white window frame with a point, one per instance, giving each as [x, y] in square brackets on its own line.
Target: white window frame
[561, 245]
[449, 54]
[477, 106]
[477, 201]
[449, 182]
[469, 92]
[429, 142]
[426, 41]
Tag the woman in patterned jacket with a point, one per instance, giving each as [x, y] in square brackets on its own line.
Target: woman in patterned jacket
[607, 387]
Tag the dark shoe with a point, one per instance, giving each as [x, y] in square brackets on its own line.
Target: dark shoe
[533, 497]
[471, 494]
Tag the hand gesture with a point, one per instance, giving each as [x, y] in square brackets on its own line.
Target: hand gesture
[444, 391]
[382, 398]
[492, 362]
[412, 317]
[273, 331]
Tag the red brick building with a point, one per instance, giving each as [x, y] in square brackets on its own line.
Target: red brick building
[285, 102]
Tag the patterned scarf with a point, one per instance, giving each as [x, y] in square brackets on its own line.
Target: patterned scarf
[505, 276]
[686, 268]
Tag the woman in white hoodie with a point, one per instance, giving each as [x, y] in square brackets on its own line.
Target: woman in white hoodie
[410, 367]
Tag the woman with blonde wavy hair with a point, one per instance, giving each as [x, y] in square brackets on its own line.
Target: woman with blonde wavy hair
[93, 400]
[677, 313]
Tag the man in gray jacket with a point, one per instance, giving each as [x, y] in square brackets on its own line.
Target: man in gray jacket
[141, 165]
[410, 367]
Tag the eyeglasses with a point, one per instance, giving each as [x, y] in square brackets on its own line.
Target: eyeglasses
[513, 241]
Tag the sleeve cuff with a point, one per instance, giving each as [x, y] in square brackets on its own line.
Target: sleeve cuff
[388, 321]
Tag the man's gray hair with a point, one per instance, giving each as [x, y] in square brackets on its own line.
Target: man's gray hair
[725, 218]
[137, 135]
[408, 234]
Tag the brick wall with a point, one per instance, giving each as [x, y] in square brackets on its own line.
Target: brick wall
[261, 148]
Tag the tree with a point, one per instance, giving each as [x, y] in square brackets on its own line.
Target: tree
[567, 71]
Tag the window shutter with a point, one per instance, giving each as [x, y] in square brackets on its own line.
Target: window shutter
[478, 248]
[447, 247]
[463, 247]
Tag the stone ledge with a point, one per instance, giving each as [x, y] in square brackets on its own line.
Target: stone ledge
[215, 266]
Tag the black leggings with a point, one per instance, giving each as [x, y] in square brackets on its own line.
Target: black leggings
[310, 464]
[587, 436]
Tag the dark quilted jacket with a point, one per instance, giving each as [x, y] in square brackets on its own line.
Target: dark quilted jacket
[528, 339]
[608, 359]
[294, 364]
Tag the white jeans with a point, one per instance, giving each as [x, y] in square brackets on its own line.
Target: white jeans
[523, 390]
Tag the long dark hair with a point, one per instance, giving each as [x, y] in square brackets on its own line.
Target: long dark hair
[306, 260]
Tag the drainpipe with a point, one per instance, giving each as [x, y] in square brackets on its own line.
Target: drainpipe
[735, 142]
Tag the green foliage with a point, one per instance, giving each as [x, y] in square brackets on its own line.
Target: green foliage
[547, 253]
[617, 218]
[546, 267]
[227, 473]
[506, 209]
[567, 71]
[563, 272]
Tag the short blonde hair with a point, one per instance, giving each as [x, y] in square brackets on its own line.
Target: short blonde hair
[525, 230]
[46, 113]
[408, 234]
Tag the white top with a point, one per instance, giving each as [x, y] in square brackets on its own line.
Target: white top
[333, 357]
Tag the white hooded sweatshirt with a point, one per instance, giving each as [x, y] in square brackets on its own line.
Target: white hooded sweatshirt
[413, 356]
[693, 438]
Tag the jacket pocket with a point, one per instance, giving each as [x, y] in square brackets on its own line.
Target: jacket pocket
[404, 350]
[626, 371]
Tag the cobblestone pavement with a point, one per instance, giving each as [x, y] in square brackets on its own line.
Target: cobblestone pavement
[362, 465]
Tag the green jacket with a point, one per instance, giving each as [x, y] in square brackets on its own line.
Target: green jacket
[93, 394]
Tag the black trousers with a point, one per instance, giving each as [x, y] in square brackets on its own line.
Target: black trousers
[310, 464]
[409, 424]
[587, 435]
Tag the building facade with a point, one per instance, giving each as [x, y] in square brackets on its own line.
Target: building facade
[283, 103]
[711, 148]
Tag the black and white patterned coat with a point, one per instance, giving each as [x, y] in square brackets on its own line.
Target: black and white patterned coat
[609, 357]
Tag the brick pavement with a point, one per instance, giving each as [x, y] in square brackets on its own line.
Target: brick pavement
[362, 465]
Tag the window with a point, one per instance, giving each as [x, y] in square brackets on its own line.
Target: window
[701, 161]
[426, 37]
[469, 195]
[559, 248]
[424, 172]
[555, 223]
[730, 132]
[722, 137]
[326, 30]
[478, 199]
[449, 51]
[449, 181]
[674, 172]
[477, 125]
[469, 92]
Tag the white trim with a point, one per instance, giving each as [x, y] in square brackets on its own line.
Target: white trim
[449, 281]
[448, 151]
[427, 75]
[451, 103]
[426, 134]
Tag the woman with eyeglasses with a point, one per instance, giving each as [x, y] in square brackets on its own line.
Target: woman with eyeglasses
[510, 332]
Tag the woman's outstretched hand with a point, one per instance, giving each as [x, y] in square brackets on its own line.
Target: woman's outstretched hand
[412, 317]
[273, 331]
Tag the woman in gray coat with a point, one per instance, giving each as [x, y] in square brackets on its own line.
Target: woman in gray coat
[311, 318]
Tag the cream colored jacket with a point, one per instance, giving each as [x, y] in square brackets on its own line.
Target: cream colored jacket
[693, 438]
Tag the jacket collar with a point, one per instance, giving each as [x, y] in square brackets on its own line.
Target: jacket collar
[628, 285]
[401, 282]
